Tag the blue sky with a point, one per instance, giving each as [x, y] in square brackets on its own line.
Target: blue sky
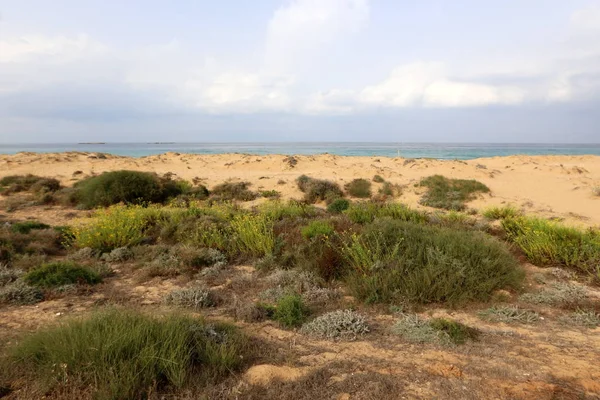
[352, 70]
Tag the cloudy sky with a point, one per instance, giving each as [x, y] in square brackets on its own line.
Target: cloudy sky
[266, 70]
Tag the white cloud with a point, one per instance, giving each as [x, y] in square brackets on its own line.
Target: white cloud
[586, 19]
[58, 49]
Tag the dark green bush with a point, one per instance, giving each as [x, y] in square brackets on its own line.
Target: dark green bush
[290, 311]
[27, 226]
[395, 261]
[317, 228]
[130, 187]
[359, 188]
[61, 273]
[233, 191]
[199, 192]
[318, 189]
[338, 205]
[125, 355]
[450, 194]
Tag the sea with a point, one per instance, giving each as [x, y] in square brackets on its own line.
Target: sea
[460, 151]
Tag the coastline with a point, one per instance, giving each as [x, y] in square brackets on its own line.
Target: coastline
[551, 186]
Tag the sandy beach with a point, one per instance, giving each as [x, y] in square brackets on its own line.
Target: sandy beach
[559, 187]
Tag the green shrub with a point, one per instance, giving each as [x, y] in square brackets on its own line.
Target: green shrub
[124, 355]
[450, 194]
[366, 212]
[378, 179]
[61, 273]
[344, 324]
[27, 226]
[318, 189]
[290, 311]
[253, 234]
[495, 213]
[228, 191]
[130, 187]
[456, 332]
[438, 330]
[117, 226]
[337, 206]
[199, 192]
[396, 260]
[546, 243]
[359, 188]
[317, 228]
[277, 210]
[21, 183]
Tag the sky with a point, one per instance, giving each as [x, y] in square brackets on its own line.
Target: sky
[300, 70]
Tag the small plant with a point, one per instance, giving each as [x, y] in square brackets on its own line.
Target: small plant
[253, 312]
[61, 273]
[270, 194]
[388, 190]
[360, 188]
[587, 318]
[120, 254]
[509, 314]
[318, 189]
[337, 206]
[120, 354]
[8, 275]
[495, 213]
[559, 294]
[340, 324]
[130, 187]
[18, 292]
[233, 191]
[27, 226]
[450, 194]
[194, 297]
[290, 311]
[253, 234]
[378, 179]
[456, 332]
[317, 228]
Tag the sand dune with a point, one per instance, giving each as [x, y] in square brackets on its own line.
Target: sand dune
[551, 186]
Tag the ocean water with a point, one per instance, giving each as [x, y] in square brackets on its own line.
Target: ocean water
[461, 151]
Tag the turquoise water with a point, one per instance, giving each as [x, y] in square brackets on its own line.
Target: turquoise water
[462, 151]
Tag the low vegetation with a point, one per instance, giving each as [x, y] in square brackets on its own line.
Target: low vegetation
[450, 194]
[123, 355]
[27, 226]
[340, 324]
[413, 328]
[366, 212]
[193, 297]
[378, 179]
[551, 243]
[22, 183]
[495, 213]
[318, 189]
[290, 311]
[61, 273]
[338, 206]
[509, 314]
[233, 191]
[360, 188]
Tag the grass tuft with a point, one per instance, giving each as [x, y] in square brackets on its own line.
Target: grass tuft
[450, 194]
[495, 213]
[318, 228]
[125, 355]
[290, 311]
[509, 314]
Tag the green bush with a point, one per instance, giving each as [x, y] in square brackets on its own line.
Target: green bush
[199, 192]
[366, 212]
[277, 210]
[21, 183]
[395, 260]
[130, 187]
[290, 311]
[547, 243]
[125, 355]
[337, 206]
[456, 332]
[450, 194]
[359, 188]
[61, 273]
[317, 228]
[27, 226]
[318, 189]
[228, 191]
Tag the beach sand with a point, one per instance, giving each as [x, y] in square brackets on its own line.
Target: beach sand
[559, 187]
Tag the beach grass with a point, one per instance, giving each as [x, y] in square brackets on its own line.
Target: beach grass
[450, 194]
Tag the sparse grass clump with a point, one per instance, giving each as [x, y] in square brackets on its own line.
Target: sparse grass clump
[130, 187]
[124, 355]
[318, 228]
[393, 260]
[586, 318]
[27, 226]
[290, 311]
[193, 297]
[437, 330]
[559, 294]
[318, 189]
[61, 273]
[495, 213]
[337, 206]
[117, 226]
[389, 190]
[340, 324]
[228, 191]
[450, 194]
[547, 243]
[509, 314]
[360, 188]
